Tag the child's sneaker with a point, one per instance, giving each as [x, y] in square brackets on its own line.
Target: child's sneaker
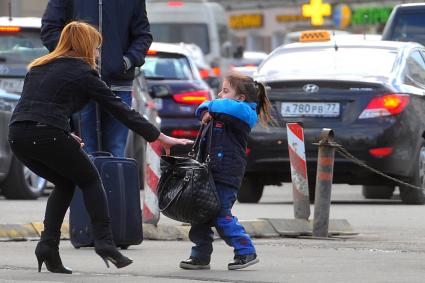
[195, 263]
[242, 261]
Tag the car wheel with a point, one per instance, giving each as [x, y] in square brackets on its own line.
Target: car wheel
[378, 192]
[22, 183]
[251, 190]
[410, 195]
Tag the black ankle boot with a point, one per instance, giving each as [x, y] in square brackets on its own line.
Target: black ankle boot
[47, 251]
[108, 251]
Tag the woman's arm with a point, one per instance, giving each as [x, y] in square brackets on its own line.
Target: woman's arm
[97, 90]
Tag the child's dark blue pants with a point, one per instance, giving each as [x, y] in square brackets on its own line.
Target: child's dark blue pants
[228, 227]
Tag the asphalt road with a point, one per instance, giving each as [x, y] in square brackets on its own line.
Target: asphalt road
[390, 247]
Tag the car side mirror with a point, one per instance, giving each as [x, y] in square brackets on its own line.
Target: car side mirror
[213, 82]
[159, 91]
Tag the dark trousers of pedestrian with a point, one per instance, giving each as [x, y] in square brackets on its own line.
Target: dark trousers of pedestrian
[56, 156]
[227, 226]
[114, 133]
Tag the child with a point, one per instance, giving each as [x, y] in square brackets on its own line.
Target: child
[234, 114]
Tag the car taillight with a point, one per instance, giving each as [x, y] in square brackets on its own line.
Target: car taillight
[181, 133]
[175, 3]
[248, 151]
[152, 52]
[9, 29]
[216, 71]
[381, 151]
[204, 73]
[193, 97]
[386, 105]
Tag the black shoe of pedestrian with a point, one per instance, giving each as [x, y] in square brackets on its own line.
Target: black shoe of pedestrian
[194, 263]
[242, 261]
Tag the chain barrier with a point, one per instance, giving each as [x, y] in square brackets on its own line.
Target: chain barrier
[342, 151]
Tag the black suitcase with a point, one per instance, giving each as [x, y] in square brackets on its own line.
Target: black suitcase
[121, 182]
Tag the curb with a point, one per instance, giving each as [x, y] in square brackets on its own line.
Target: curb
[257, 228]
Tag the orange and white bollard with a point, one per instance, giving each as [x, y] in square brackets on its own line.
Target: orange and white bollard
[152, 175]
[299, 176]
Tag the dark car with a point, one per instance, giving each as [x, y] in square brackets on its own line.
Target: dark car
[171, 69]
[406, 23]
[20, 44]
[371, 93]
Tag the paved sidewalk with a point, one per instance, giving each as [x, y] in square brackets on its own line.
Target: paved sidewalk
[18, 224]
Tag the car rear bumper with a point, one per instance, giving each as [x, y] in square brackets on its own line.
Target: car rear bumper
[270, 160]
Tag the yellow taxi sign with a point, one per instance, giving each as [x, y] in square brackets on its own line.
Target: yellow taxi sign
[315, 36]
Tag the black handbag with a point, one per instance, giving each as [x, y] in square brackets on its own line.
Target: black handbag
[186, 189]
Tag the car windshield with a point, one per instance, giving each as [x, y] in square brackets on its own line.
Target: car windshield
[328, 62]
[20, 47]
[163, 67]
[176, 33]
[410, 27]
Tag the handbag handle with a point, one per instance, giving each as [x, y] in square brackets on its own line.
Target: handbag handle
[194, 152]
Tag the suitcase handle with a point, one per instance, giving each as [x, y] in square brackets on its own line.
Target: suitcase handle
[101, 153]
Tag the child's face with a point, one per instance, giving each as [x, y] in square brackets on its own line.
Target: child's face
[228, 91]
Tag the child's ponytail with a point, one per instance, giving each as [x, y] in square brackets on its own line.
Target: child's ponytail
[264, 105]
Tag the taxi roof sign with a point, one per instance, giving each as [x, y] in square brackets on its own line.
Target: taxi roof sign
[315, 36]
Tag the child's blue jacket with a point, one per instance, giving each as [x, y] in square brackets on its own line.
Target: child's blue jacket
[233, 121]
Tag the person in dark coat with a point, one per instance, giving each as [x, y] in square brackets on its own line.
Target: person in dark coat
[57, 85]
[126, 40]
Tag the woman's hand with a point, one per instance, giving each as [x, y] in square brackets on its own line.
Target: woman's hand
[78, 139]
[206, 117]
[168, 142]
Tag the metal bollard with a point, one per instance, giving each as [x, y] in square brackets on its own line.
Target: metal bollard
[322, 201]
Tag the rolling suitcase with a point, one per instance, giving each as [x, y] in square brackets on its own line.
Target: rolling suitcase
[120, 178]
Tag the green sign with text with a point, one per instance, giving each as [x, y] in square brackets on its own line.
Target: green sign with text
[370, 16]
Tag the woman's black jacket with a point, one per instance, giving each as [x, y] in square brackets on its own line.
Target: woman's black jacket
[53, 91]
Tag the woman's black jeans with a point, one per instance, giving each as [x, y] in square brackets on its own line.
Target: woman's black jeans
[56, 156]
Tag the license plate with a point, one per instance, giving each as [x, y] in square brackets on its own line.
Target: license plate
[310, 109]
[12, 85]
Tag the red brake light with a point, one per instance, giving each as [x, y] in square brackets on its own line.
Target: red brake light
[9, 29]
[175, 3]
[248, 151]
[193, 97]
[152, 52]
[181, 133]
[205, 73]
[381, 151]
[386, 105]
